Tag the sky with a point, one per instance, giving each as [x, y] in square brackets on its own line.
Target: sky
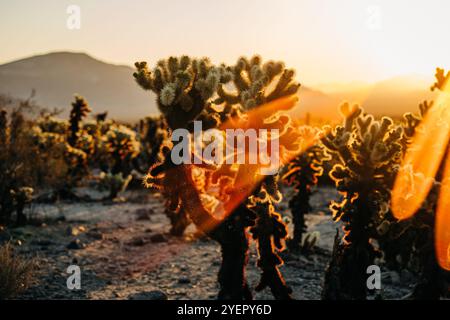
[326, 41]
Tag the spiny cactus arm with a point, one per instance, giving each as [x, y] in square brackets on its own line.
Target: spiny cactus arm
[252, 80]
[269, 232]
[184, 87]
[350, 113]
[441, 79]
[285, 86]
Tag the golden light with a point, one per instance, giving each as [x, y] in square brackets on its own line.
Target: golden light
[422, 159]
[443, 220]
[419, 168]
[247, 181]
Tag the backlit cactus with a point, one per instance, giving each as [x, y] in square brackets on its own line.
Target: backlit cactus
[303, 172]
[122, 145]
[80, 109]
[189, 89]
[184, 87]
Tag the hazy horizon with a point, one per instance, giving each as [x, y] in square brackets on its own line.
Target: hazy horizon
[325, 41]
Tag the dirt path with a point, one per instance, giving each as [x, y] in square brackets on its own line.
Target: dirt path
[124, 252]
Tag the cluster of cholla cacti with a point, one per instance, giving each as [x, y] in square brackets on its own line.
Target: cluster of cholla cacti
[222, 96]
[370, 153]
[47, 158]
[16, 166]
[88, 145]
[230, 202]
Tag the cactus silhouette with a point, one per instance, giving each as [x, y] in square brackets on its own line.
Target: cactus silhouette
[369, 151]
[302, 173]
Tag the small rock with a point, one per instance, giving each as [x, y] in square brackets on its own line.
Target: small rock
[215, 263]
[395, 277]
[184, 280]
[138, 241]
[142, 214]
[76, 245]
[42, 242]
[158, 238]
[72, 231]
[97, 235]
[149, 295]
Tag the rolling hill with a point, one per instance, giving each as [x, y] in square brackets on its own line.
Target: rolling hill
[57, 76]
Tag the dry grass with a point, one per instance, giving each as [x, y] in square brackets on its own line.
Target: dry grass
[15, 272]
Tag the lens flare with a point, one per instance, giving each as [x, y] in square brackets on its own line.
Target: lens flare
[291, 144]
[419, 168]
[443, 221]
[422, 160]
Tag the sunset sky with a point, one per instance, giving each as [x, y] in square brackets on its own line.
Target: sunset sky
[325, 41]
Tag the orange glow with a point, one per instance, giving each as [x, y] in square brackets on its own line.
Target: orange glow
[291, 144]
[422, 160]
[419, 168]
[443, 221]
[247, 180]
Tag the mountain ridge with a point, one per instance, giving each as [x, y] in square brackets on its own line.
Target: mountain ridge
[58, 76]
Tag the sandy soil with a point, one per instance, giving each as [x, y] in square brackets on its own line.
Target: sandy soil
[125, 252]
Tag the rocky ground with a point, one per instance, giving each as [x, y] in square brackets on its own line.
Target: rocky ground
[125, 252]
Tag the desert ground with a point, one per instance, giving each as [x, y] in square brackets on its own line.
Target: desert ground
[124, 251]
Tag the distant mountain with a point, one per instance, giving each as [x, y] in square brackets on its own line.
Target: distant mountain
[56, 77]
[391, 97]
[398, 95]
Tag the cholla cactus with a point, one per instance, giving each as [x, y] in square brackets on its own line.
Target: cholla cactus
[53, 125]
[115, 183]
[22, 196]
[80, 110]
[3, 128]
[255, 84]
[369, 151]
[153, 133]
[122, 145]
[16, 166]
[302, 174]
[185, 89]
